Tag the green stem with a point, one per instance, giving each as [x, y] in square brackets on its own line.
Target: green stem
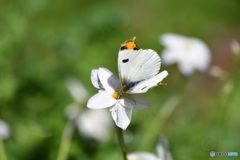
[66, 141]
[2, 151]
[159, 120]
[121, 142]
[226, 105]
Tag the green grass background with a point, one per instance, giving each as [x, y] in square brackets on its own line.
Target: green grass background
[43, 42]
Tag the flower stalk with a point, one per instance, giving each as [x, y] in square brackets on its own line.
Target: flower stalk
[121, 142]
[66, 141]
[2, 151]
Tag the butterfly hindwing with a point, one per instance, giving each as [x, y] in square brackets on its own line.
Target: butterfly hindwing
[145, 85]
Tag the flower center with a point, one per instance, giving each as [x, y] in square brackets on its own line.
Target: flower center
[114, 95]
[187, 46]
[117, 94]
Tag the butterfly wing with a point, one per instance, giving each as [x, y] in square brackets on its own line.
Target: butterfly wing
[145, 85]
[137, 65]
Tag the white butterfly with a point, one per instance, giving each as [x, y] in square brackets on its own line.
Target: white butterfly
[138, 68]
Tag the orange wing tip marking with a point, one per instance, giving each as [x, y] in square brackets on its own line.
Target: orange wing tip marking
[130, 44]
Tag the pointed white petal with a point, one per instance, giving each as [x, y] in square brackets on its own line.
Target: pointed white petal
[140, 101]
[77, 90]
[142, 156]
[127, 102]
[95, 124]
[109, 81]
[162, 149]
[135, 101]
[101, 100]
[4, 130]
[94, 78]
[121, 115]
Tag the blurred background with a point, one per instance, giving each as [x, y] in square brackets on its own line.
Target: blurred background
[44, 42]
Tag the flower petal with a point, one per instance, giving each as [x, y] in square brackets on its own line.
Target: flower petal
[186, 68]
[4, 130]
[109, 81]
[72, 111]
[77, 90]
[135, 101]
[173, 41]
[203, 55]
[127, 102]
[101, 100]
[162, 149]
[168, 57]
[140, 101]
[94, 78]
[141, 156]
[121, 115]
[95, 124]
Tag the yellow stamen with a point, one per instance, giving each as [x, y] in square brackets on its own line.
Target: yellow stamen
[115, 95]
[187, 46]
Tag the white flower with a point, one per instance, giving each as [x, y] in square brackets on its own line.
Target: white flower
[189, 53]
[72, 111]
[4, 130]
[90, 123]
[162, 152]
[95, 124]
[109, 86]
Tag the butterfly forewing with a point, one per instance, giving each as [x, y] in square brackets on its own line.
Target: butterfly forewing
[137, 65]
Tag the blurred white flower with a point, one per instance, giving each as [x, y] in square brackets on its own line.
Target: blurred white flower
[189, 53]
[235, 47]
[96, 124]
[72, 111]
[77, 90]
[4, 130]
[121, 108]
[90, 123]
[162, 152]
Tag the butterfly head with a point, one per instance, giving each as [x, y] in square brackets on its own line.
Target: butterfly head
[130, 44]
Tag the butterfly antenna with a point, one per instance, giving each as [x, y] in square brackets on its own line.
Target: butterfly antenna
[134, 39]
[162, 84]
